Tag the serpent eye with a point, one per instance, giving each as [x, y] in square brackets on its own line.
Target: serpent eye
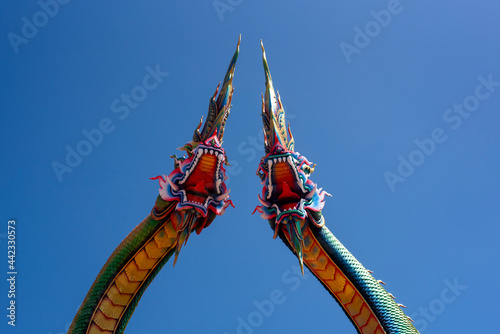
[308, 170]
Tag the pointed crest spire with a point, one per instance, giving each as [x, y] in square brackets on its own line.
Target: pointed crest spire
[219, 105]
[273, 114]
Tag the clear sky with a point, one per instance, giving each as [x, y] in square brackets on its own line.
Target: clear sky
[398, 104]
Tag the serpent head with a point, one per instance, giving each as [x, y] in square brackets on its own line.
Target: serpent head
[197, 182]
[289, 197]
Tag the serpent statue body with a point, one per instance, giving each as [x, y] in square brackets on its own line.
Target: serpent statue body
[292, 204]
[194, 193]
[191, 196]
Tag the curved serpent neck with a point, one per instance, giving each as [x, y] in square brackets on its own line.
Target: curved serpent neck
[123, 279]
[292, 204]
[191, 196]
[366, 303]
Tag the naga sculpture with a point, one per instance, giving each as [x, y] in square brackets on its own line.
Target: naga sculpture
[194, 193]
[292, 204]
[191, 196]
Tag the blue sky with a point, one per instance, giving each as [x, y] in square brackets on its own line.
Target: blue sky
[396, 102]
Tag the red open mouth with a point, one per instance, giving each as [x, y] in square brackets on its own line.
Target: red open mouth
[201, 181]
[285, 188]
